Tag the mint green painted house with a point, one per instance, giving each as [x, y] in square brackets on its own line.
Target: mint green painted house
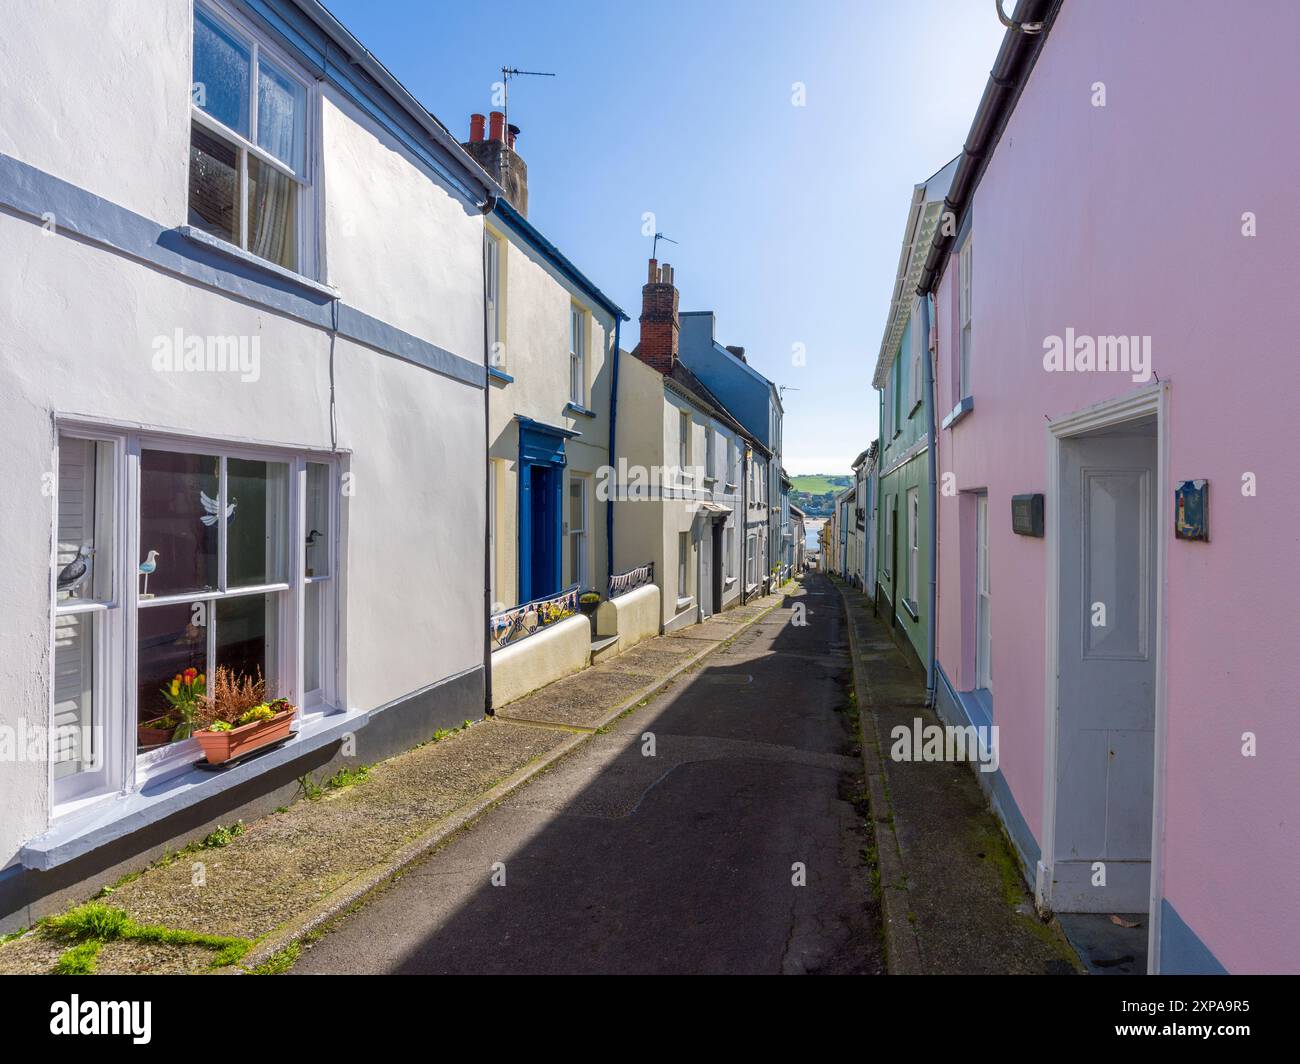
[904, 558]
[902, 550]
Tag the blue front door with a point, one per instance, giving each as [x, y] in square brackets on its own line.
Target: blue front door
[541, 486]
[544, 569]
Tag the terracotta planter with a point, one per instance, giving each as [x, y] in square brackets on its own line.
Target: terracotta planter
[145, 736]
[223, 745]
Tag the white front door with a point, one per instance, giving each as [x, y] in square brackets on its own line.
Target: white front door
[706, 570]
[1105, 760]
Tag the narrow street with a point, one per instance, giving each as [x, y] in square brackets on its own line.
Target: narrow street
[681, 862]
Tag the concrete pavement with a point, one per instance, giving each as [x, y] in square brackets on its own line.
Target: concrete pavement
[672, 841]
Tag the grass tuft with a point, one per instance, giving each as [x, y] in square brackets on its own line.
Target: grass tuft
[280, 961]
[94, 920]
[80, 960]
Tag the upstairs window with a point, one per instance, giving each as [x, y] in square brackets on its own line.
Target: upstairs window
[248, 179]
[916, 377]
[964, 314]
[492, 250]
[577, 355]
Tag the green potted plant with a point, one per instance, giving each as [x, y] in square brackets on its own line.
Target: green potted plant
[589, 602]
[257, 726]
[185, 696]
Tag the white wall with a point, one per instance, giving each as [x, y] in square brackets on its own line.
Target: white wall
[102, 102]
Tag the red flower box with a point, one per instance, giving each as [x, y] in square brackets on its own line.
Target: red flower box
[222, 746]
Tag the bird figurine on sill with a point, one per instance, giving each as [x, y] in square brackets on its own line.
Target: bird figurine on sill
[74, 574]
[146, 567]
[312, 537]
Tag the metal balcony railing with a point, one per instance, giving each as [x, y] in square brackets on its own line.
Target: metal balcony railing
[519, 622]
[622, 583]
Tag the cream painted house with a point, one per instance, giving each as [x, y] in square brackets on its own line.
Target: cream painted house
[552, 335]
[687, 474]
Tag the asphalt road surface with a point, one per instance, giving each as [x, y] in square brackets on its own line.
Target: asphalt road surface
[682, 862]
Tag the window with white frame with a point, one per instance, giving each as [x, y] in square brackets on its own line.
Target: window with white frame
[684, 443]
[683, 564]
[896, 391]
[494, 258]
[226, 553]
[318, 584]
[577, 355]
[983, 601]
[913, 543]
[916, 375]
[87, 616]
[964, 314]
[710, 456]
[729, 550]
[578, 568]
[751, 545]
[249, 179]
[891, 509]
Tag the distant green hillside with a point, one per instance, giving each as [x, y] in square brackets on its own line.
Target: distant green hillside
[820, 483]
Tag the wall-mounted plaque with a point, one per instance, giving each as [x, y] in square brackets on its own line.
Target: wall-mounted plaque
[1027, 514]
[1192, 510]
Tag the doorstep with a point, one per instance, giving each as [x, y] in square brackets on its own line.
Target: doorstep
[603, 647]
[118, 816]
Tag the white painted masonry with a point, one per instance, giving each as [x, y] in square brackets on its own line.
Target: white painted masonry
[401, 245]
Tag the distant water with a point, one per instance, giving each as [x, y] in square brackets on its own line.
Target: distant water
[812, 526]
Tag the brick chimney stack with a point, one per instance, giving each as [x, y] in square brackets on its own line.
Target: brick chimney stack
[659, 322]
[492, 144]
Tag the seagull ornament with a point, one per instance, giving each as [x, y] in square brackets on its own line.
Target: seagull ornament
[148, 566]
[74, 574]
[213, 508]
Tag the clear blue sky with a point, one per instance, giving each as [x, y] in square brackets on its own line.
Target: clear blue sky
[790, 219]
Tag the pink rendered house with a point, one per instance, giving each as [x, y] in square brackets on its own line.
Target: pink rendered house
[1115, 315]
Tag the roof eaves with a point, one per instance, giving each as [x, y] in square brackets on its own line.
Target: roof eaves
[554, 255]
[360, 56]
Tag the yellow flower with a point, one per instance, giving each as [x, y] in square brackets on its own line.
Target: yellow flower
[176, 686]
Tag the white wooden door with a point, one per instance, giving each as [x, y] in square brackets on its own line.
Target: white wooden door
[1106, 679]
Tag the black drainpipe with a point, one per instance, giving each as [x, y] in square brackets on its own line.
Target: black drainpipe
[1011, 69]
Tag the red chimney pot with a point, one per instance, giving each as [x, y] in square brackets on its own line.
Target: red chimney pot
[476, 124]
[497, 126]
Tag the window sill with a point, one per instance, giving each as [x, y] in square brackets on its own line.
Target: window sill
[911, 609]
[117, 815]
[575, 409]
[729, 582]
[500, 376]
[958, 412]
[685, 603]
[915, 407]
[225, 247]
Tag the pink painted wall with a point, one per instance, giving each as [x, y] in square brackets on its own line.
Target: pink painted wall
[1127, 220]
